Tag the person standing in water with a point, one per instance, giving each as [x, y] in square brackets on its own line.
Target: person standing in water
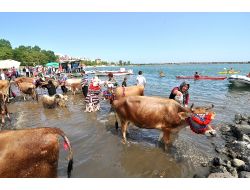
[124, 82]
[51, 88]
[181, 94]
[140, 79]
[84, 83]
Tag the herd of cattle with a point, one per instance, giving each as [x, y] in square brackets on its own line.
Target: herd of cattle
[40, 158]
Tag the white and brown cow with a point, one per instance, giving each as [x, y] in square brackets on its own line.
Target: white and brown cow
[53, 101]
[32, 153]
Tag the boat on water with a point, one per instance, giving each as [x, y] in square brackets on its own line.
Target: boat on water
[228, 72]
[120, 72]
[239, 80]
[201, 77]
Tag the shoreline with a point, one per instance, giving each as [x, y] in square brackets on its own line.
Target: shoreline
[233, 160]
[188, 63]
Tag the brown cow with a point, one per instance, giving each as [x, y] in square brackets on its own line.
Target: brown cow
[3, 108]
[32, 153]
[153, 113]
[73, 85]
[28, 88]
[4, 87]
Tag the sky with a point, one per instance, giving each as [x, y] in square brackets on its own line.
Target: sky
[137, 37]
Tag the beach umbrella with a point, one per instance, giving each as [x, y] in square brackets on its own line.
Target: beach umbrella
[52, 64]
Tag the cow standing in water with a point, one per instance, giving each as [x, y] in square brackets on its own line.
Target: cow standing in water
[32, 153]
[29, 89]
[153, 113]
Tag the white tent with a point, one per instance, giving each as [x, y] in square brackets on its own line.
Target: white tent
[6, 64]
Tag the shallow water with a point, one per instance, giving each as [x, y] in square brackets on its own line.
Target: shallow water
[98, 151]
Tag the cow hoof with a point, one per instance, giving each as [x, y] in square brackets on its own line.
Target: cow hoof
[123, 141]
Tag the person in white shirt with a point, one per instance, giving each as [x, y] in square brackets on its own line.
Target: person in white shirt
[2, 75]
[140, 79]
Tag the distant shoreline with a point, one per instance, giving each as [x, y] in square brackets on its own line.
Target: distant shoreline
[190, 63]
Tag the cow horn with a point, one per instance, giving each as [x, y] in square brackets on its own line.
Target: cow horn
[208, 108]
[191, 107]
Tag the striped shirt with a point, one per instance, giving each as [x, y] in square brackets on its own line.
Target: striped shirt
[84, 80]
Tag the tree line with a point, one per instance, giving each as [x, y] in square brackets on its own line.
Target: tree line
[31, 56]
[27, 55]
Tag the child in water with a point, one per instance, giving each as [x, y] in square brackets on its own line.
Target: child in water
[124, 82]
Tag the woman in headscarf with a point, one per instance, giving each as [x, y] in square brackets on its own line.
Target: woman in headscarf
[180, 94]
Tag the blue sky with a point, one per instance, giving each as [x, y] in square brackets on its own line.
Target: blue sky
[138, 37]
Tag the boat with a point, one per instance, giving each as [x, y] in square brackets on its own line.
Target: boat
[239, 80]
[120, 72]
[201, 77]
[229, 72]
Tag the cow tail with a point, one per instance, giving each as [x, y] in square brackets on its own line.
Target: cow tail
[70, 157]
[116, 122]
[36, 95]
[67, 146]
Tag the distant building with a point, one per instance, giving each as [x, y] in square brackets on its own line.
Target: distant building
[98, 61]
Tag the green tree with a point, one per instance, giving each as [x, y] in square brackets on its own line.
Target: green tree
[5, 50]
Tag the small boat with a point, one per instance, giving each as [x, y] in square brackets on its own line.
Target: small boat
[120, 72]
[201, 77]
[239, 80]
[228, 72]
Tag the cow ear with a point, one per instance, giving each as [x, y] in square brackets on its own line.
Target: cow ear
[184, 115]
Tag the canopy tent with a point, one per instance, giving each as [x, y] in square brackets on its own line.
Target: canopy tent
[6, 64]
[52, 64]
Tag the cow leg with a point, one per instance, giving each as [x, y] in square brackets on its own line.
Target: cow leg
[160, 136]
[7, 113]
[3, 119]
[124, 125]
[166, 139]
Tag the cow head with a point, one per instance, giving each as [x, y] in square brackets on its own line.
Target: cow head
[204, 110]
[61, 100]
[196, 110]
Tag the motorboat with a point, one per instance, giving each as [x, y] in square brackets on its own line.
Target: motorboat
[120, 72]
[229, 72]
[239, 80]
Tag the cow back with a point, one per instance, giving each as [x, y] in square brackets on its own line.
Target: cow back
[129, 91]
[4, 87]
[29, 152]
